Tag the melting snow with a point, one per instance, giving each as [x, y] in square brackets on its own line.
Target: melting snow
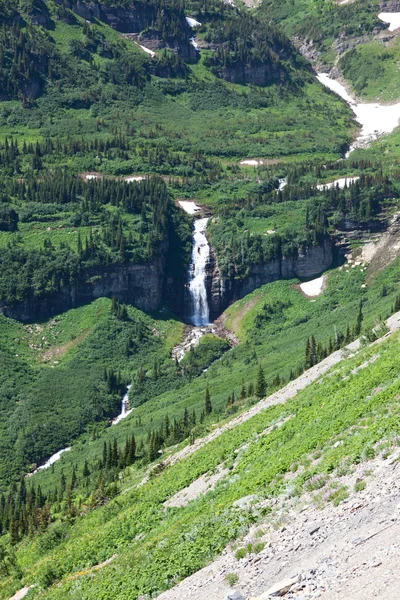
[134, 178]
[151, 52]
[375, 119]
[312, 288]
[251, 162]
[392, 18]
[190, 207]
[340, 182]
[192, 22]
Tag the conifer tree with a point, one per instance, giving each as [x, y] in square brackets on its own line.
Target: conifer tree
[207, 405]
[360, 318]
[261, 386]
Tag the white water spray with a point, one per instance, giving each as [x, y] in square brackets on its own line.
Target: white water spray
[125, 411]
[199, 313]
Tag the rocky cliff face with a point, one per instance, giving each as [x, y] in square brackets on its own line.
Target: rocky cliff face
[136, 19]
[308, 263]
[140, 285]
[260, 75]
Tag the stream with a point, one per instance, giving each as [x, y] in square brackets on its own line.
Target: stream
[49, 462]
[375, 119]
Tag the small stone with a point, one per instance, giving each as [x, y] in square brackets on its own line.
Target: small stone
[376, 563]
[279, 589]
[315, 527]
[234, 595]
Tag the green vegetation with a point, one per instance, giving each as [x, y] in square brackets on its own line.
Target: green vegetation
[84, 112]
[371, 69]
[350, 397]
[254, 229]
[325, 22]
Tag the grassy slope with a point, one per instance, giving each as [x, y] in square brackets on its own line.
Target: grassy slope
[371, 67]
[359, 408]
[372, 70]
[331, 312]
[68, 354]
[279, 346]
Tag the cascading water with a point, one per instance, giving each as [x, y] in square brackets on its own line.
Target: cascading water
[125, 411]
[198, 311]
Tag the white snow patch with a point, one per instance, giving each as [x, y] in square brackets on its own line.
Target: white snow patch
[151, 52]
[192, 22]
[251, 162]
[91, 176]
[190, 207]
[338, 182]
[312, 288]
[375, 119]
[392, 18]
[134, 178]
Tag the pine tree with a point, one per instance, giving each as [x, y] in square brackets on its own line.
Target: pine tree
[360, 317]
[261, 386]
[131, 451]
[207, 405]
[86, 470]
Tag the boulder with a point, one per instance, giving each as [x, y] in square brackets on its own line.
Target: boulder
[234, 595]
[279, 589]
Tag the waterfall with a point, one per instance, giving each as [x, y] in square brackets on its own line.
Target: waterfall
[198, 311]
[125, 411]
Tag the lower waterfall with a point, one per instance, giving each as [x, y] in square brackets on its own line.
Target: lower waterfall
[197, 312]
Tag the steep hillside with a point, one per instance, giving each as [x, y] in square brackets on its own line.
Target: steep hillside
[303, 451]
[349, 37]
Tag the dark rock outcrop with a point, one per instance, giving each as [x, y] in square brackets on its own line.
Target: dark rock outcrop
[390, 6]
[137, 18]
[308, 263]
[245, 74]
[140, 285]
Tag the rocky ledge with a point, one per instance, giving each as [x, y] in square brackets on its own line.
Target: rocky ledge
[137, 284]
[307, 263]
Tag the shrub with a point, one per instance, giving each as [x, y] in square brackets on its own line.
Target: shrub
[241, 553]
[360, 485]
[231, 579]
[315, 483]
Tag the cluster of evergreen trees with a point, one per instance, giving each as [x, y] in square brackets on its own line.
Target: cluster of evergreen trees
[356, 205]
[143, 144]
[315, 352]
[246, 40]
[24, 510]
[47, 270]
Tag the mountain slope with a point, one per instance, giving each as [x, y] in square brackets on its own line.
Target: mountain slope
[360, 391]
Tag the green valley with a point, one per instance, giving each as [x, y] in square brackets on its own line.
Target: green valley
[199, 293]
